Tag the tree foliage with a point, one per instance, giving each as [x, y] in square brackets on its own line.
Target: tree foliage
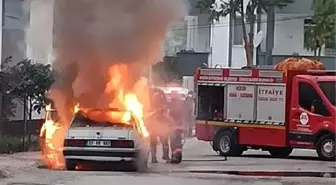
[321, 31]
[248, 13]
[30, 81]
[8, 106]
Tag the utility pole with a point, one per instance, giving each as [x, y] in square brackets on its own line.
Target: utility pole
[270, 35]
[24, 122]
[258, 30]
[231, 30]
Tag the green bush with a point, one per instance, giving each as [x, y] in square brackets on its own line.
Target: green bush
[10, 144]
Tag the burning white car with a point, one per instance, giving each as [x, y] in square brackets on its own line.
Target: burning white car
[105, 135]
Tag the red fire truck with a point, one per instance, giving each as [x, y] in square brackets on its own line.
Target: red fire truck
[240, 109]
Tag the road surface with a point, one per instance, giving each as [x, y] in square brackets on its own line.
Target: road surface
[205, 165]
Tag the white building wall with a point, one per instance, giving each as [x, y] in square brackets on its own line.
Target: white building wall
[39, 34]
[220, 46]
[289, 34]
[288, 39]
[1, 18]
[193, 33]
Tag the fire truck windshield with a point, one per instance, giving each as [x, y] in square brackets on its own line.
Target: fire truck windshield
[329, 89]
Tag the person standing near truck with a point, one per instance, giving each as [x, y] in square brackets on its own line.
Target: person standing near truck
[158, 125]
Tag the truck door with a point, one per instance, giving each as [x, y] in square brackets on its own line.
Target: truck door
[306, 119]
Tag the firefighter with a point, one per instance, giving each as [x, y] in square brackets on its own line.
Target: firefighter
[177, 113]
[158, 124]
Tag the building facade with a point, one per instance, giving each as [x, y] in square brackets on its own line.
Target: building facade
[192, 34]
[39, 34]
[289, 36]
[14, 20]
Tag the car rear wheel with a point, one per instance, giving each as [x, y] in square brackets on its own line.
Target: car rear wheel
[326, 147]
[70, 165]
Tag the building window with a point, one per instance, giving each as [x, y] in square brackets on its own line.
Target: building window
[238, 31]
[308, 23]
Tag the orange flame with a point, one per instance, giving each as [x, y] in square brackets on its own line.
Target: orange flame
[51, 148]
[128, 101]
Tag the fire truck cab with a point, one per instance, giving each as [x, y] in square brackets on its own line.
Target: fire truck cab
[241, 109]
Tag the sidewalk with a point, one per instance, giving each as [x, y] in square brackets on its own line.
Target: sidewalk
[10, 163]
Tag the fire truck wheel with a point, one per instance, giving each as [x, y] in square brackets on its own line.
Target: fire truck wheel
[325, 148]
[227, 144]
[280, 152]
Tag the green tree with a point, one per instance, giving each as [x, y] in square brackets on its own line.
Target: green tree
[248, 13]
[7, 106]
[30, 82]
[321, 31]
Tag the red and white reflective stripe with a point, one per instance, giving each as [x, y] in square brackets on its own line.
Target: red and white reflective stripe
[240, 75]
[211, 72]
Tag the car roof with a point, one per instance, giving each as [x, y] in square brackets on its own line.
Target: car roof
[105, 109]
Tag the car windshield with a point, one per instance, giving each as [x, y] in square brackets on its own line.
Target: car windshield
[100, 118]
[329, 89]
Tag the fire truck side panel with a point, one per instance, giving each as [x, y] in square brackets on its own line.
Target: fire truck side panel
[271, 102]
[240, 102]
[204, 131]
[272, 136]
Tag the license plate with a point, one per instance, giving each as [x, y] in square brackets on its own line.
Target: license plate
[99, 143]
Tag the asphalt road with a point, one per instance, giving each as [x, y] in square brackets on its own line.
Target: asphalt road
[201, 166]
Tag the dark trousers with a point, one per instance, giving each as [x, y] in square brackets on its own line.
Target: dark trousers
[165, 145]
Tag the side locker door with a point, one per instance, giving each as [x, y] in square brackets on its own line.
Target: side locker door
[302, 119]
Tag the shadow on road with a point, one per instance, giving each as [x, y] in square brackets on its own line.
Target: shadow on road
[97, 166]
[266, 173]
[310, 158]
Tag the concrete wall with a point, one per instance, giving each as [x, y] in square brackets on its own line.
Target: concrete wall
[187, 63]
[191, 34]
[289, 34]
[328, 61]
[40, 31]
[13, 31]
[298, 7]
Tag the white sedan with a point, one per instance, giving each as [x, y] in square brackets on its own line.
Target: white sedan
[88, 140]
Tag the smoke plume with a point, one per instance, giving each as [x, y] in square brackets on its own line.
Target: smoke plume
[92, 35]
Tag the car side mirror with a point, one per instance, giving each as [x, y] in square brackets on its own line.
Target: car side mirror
[316, 104]
[312, 109]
